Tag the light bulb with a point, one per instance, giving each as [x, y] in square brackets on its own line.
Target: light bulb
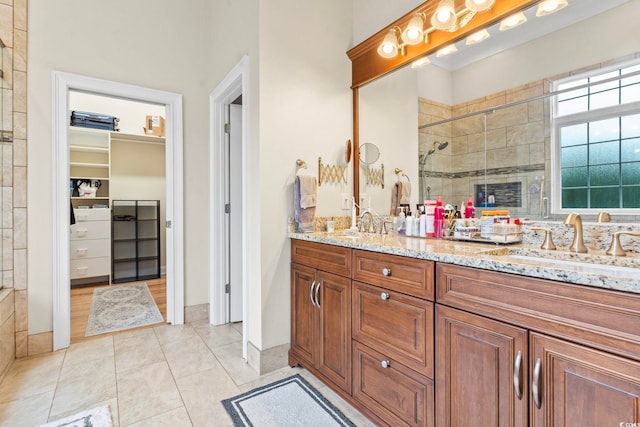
[477, 37]
[512, 21]
[478, 5]
[414, 33]
[548, 7]
[389, 47]
[447, 50]
[420, 62]
[443, 15]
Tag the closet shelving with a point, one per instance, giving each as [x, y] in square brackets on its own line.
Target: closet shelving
[135, 240]
[90, 159]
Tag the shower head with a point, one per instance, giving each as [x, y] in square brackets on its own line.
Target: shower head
[440, 146]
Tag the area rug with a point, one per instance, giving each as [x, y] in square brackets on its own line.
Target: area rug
[288, 402]
[96, 417]
[115, 308]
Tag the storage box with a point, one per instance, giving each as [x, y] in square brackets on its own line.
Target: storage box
[154, 125]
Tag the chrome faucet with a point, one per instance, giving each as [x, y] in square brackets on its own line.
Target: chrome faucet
[371, 224]
[574, 220]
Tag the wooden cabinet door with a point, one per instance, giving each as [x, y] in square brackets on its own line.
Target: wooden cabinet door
[579, 386]
[303, 313]
[396, 394]
[334, 329]
[397, 325]
[477, 360]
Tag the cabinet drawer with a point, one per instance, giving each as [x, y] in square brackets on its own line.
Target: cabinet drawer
[600, 318]
[395, 393]
[91, 230]
[334, 259]
[95, 248]
[83, 215]
[407, 275]
[397, 325]
[90, 267]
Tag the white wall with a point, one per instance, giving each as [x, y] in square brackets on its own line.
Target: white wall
[370, 16]
[305, 112]
[148, 43]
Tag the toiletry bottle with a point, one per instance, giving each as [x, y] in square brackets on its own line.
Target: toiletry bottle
[438, 218]
[408, 227]
[469, 210]
[430, 206]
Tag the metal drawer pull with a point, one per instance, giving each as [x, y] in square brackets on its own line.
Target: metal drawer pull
[517, 371]
[535, 390]
[384, 296]
[311, 293]
[385, 364]
[82, 251]
[386, 271]
[317, 289]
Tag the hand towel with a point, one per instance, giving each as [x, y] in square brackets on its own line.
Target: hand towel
[307, 191]
[405, 193]
[395, 199]
[304, 206]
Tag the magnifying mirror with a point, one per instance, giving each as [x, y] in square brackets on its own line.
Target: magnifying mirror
[369, 153]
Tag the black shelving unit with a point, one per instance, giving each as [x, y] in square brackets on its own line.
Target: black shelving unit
[135, 244]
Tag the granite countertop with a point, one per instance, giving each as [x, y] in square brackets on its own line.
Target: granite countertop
[592, 269]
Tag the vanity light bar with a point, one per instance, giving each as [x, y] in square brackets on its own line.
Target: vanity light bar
[445, 18]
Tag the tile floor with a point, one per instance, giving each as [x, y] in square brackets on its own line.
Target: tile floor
[163, 376]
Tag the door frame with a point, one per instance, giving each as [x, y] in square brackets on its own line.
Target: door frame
[235, 83]
[62, 83]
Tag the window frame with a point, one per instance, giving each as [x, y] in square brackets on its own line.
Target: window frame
[577, 118]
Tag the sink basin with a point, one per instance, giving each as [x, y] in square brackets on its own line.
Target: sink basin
[580, 263]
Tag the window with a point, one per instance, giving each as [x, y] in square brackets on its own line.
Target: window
[596, 131]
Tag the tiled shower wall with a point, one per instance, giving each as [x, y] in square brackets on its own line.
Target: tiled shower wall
[13, 177]
[513, 148]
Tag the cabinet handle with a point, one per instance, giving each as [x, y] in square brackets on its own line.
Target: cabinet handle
[535, 390]
[311, 292]
[81, 232]
[317, 289]
[385, 364]
[82, 270]
[384, 296]
[386, 271]
[82, 251]
[517, 371]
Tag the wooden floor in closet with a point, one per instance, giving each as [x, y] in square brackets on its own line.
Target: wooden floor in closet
[81, 304]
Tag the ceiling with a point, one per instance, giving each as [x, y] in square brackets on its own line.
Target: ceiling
[576, 11]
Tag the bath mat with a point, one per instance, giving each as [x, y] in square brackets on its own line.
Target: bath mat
[115, 308]
[288, 402]
[96, 417]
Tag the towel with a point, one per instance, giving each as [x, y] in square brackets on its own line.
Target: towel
[400, 195]
[395, 199]
[305, 197]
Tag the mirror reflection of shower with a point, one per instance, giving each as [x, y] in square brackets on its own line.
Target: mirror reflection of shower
[437, 146]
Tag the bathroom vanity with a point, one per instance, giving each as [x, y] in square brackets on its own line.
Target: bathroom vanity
[427, 332]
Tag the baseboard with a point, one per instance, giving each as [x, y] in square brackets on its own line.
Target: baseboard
[269, 360]
[194, 313]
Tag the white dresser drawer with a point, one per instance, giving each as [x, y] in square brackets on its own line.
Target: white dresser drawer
[83, 215]
[91, 230]
[90, 267]
[90, 248]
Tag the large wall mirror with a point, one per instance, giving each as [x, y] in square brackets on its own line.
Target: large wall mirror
[477, 123]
